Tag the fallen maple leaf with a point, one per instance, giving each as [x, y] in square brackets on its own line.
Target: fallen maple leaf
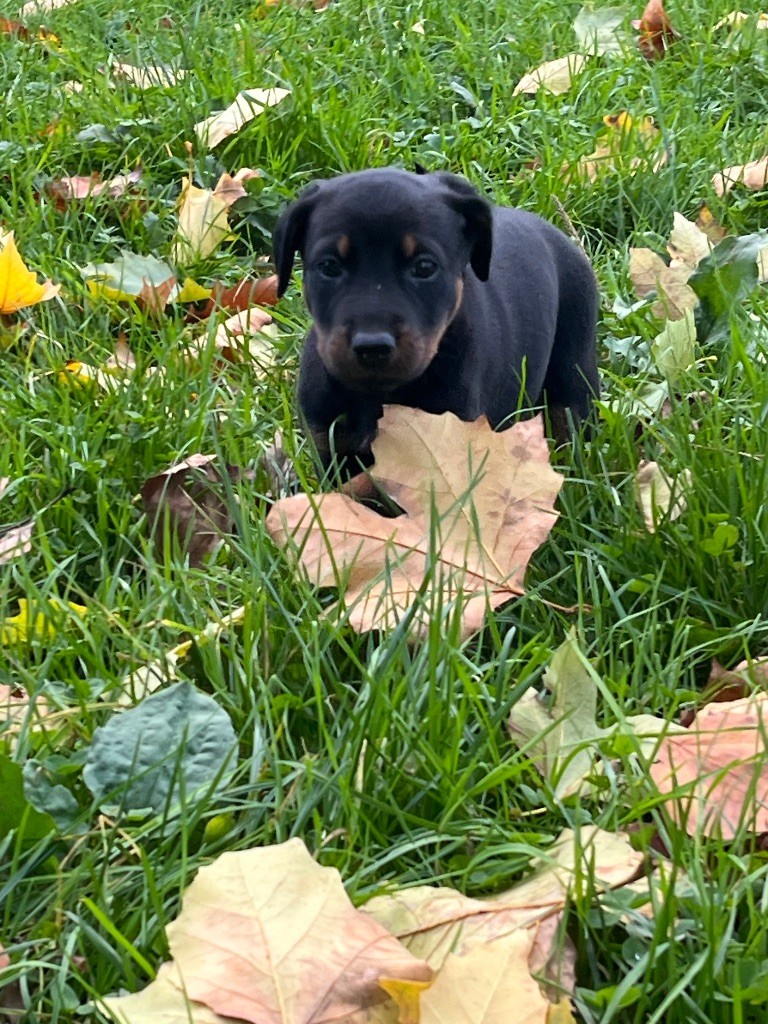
[553, 76]
[650, 274]
[477, 503]
[706, 222]
[715, 773]
[753, 176]
[248, 104]
[114, 372]
[656, 32]
[435, 922]
[187, 494]
[269, 936]
[19, 287]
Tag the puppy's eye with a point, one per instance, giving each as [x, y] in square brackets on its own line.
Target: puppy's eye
[424, 267]
[330, 267]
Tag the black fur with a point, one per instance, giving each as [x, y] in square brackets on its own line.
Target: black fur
[423, 294]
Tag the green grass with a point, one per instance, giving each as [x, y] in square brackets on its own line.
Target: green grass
[394, 764]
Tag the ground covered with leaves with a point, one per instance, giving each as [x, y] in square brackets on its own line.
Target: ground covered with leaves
[577, 777]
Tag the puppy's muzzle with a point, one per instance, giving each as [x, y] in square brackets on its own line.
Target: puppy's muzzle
[373, 349]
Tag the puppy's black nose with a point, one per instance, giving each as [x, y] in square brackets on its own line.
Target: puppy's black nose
[373, 348]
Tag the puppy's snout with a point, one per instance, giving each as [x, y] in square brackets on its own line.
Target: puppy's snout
[373, 349]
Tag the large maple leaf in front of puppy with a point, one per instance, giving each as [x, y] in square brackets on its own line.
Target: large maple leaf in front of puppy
[476, 506]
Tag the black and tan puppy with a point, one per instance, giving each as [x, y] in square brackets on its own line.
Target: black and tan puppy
[423, 294]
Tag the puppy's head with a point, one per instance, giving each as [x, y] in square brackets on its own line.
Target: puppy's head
[385, 253]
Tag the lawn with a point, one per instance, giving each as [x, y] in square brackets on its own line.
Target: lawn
[391, 761]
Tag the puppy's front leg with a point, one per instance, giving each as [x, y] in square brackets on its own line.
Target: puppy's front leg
[341, 424]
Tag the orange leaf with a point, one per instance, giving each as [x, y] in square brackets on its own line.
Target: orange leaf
[656, 32]
[716, 772]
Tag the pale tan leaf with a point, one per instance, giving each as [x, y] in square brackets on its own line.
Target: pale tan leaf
[649, 273]
[716, 772]
[552, 959]
[248, 336]
[492, 495]
[762, 266]
[163, 1001]
[659, 496]
[203, 224]
[34, 7]
[553, 76]
[753, 175]
[230, 188]
[243, 109]
[269, 936]
[687, 242]
[490, 984]
[738, 19]
[148, 76]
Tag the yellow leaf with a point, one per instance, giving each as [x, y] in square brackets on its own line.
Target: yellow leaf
[191, 291]
[406, 993]
[18, 285]
[203, 224]
[33, 623]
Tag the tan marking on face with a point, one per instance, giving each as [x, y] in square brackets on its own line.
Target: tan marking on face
[342, 245]
[459, 296]
[408, 246]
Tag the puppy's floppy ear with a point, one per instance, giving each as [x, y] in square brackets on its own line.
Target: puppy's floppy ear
[290, 233]
[478, 221]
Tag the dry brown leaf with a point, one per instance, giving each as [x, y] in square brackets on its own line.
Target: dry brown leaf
[434, 922]
[553, 76]
[149, 76]
[659, 497]
[493, 495]
[716, 773]
[81, 187]
[753, 175]
[706, 222]
[656, 32]
[269, 936]
[234, 298]
[687, 244]
[247, 105]
[649, 273]
[189, 494]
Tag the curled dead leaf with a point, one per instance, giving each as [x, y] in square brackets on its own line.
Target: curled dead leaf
[187, 496]
[753, 175]
[656, 31]
[659, 496]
